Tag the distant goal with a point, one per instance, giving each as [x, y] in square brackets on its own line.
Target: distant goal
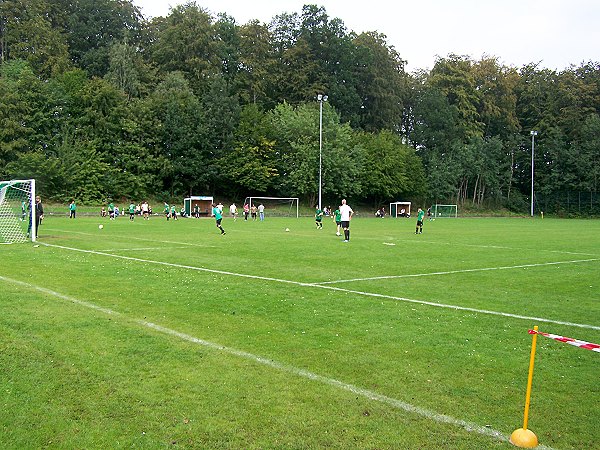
[276, 206]
[444, 211]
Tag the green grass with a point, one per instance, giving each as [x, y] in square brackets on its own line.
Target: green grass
[257, 362]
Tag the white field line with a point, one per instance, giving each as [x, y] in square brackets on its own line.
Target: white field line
[450, 272]
[499, 247]
[320, 286]
[371, 395]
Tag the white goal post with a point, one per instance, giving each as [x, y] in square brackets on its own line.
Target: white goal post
[278, 206]
[444, 211]
[17, 211]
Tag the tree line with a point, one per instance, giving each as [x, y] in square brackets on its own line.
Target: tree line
[98, 102]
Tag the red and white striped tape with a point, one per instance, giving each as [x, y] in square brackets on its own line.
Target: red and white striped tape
[571, 341]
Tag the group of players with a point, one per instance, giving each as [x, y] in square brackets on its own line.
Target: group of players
[344, 213]
[341, 216]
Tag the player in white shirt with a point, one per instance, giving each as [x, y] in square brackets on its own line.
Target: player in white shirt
[346, 214]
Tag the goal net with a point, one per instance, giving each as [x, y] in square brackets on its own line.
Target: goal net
[16, 209]
[275, 206]
[444, 211]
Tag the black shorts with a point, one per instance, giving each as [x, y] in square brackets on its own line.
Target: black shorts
[345, 224]
[219, 222]
[338, 223]
[419, 223]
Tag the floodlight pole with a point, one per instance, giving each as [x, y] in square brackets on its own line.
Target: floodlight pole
[321, 98]
[533, 135]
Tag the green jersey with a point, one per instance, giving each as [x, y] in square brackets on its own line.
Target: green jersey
[131, 208]
[167, 208]
[338, 215]
[111, 207]
[217, 213]
[318, 215]
[72, 206]
[420, 216]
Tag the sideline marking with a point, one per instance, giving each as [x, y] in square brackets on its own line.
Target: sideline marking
[449, 272]
[332, 288]
[371, 395]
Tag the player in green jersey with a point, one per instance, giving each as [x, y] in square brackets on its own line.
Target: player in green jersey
[131, 211]
[216, 212]
[318, 218]
[337, 217]
[420, 215]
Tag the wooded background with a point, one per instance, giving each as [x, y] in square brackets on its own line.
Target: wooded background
[97, 102]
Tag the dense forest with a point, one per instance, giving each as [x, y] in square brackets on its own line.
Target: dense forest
[98, 102]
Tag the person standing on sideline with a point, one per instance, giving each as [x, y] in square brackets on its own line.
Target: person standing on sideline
[420, 215]
[218, 217]
[253, 212]
[39, 216]
[337, 217]
[72, 209]
[261, 212]
[246, 211]
[318, 218]
[345, 216]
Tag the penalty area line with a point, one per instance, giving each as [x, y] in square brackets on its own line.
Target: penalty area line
[450, 272]
[282, 367]
[328, 287]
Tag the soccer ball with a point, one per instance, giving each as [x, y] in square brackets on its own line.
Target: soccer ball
[100, 226]
[338, 234]
[287, 230]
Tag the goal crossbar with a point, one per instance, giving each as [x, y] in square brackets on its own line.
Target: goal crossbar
[257, 200]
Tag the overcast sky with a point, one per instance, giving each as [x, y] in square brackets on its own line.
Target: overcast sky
[554, 33]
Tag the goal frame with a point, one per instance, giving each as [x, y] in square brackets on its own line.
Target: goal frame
[251, 201]
[30, 208]
[450, 216]
[394, 207]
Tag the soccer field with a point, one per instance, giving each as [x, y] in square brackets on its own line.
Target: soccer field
[159, 334]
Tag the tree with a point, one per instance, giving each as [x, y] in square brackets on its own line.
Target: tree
[249, 168]
[185, 42]
[381, 84]
[296, 131]
[26, 32]
[92, 26]
[391, 170]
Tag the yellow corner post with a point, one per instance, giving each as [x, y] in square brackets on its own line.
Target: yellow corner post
[522, 437]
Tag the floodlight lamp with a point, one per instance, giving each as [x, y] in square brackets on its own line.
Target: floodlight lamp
[533, 133]
[319, 97]
[325, 98]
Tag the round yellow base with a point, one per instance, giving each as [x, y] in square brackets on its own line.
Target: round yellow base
[523, 438]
